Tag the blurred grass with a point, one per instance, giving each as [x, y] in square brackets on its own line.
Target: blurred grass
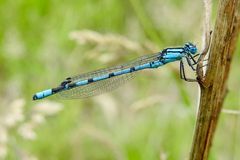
[36, 53]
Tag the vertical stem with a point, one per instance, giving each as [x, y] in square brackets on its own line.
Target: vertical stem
[145, 21]
[214, 86]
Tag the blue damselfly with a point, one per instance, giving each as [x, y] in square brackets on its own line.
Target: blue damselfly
[103, 80]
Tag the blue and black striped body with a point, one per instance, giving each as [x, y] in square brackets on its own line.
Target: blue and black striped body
[93, 83]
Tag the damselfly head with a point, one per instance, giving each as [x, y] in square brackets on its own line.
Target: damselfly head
[190, 48]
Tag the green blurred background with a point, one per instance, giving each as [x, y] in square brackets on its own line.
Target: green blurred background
[151, 117]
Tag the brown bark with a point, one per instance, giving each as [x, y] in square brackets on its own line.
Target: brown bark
[214, 84]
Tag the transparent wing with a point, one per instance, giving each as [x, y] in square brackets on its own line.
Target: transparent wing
[96, 88]
[106, 85]
[138, 61]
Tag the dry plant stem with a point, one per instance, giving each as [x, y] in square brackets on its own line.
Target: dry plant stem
[223, 44]
[207, 39]
[200, 76]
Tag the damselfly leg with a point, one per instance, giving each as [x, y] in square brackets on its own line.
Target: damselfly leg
[183, 75]
[192, 63]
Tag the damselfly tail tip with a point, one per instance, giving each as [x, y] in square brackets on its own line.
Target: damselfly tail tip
[35, 97]
[42, 94]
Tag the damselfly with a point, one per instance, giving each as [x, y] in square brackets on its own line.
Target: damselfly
[103, 80]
